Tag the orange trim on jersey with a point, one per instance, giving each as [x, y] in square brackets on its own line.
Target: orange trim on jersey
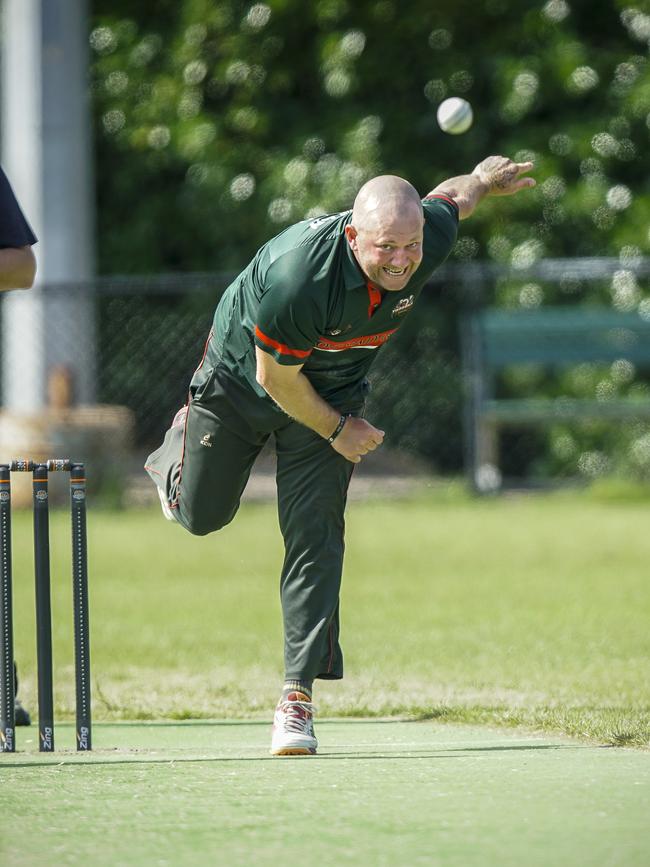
[443, 197]
[374, 299]
[372, 340]
[282, 348]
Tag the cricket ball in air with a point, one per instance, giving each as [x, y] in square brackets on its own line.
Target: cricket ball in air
[455, 115]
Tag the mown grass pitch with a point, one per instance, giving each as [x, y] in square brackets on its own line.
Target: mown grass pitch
[379, 793]
[529, 611]
[524, 612]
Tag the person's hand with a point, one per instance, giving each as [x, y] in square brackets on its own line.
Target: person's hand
[357, 438]
[502, 176]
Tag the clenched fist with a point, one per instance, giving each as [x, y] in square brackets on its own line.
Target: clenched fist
[357, 438]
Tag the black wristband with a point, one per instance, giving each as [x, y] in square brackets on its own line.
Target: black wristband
[337, 429]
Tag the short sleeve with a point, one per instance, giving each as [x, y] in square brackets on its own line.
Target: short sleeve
[290, 317]
[14, 228]
[441, 227]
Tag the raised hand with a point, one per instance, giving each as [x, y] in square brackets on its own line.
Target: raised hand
[502, 176]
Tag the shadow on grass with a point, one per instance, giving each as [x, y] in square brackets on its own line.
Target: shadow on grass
[408, 755]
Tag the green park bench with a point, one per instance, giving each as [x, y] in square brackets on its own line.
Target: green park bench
[551, 337]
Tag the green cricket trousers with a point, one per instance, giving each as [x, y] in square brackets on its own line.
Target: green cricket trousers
[203, 466]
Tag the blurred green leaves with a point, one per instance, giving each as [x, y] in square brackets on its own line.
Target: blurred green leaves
[218, 122]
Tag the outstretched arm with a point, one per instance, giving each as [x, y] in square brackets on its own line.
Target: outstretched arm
[494, 176]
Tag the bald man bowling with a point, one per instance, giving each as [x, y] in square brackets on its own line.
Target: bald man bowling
[292, 342]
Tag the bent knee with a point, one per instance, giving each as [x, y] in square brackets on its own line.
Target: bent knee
[203, 525]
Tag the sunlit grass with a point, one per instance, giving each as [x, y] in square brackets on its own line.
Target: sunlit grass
[525, 611]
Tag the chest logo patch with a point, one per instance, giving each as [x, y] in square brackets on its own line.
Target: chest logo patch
[366, 341]
[403, 306]
[332, 332]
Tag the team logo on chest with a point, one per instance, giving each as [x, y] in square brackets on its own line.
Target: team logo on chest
[403, 306]
[333, 332]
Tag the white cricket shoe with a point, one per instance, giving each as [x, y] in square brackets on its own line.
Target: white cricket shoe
[164, 505]
[179, 421]
[293, 727]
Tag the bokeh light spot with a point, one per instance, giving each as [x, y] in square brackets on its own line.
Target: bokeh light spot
[526, 254]
[619, 197]
[531, 295]
[353, 43]
[337, 83]
[242, 187]
[103, 40]
[440, 39]
[625, 290]
[195, 72]
[553, 187]
[556, 10]
[258, 16]
[605, 144]
[279, 210]
[560, 144]
[622, 371]
[113, 121]
[582, 79]
[593, 464]
[116, 82]
[461, 81]
[159, 137]
[435, 90]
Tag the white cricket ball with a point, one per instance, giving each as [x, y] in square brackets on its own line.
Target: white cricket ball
[455, 115]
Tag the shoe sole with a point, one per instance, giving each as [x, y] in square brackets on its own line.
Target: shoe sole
[293, 751]
[166, 508]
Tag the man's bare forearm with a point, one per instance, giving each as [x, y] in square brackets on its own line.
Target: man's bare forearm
[303, 404]
[466, 190]
[299, 400]
[494, 176]
[293, 392]
[17, 268]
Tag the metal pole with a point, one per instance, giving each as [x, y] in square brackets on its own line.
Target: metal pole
[47, 154]
[7, 685]
[43, 608]
[80, 604]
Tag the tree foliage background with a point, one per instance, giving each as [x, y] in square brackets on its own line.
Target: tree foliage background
[218, 121]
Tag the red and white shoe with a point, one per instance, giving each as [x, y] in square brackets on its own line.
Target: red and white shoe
[293, 727]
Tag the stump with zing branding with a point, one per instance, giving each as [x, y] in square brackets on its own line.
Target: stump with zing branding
[40, 473]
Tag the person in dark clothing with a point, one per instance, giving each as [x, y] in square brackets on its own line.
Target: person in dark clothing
[17, 271]
[17, 262]
[292, 341]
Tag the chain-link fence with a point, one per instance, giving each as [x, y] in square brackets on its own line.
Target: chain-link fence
[149, 334]
[151, 338]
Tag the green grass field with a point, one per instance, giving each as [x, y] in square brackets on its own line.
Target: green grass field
[381, 794]
[479, 636]
[523, 611]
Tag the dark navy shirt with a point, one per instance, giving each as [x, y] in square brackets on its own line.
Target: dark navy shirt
[15, 231]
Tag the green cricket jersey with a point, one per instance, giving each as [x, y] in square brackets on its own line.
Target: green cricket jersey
[304, 300]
